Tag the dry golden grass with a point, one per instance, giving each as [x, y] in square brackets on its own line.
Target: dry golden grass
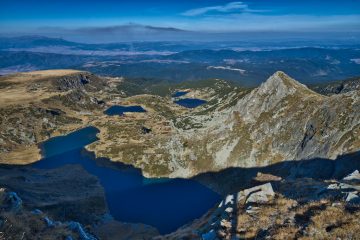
[286, 219]
[20, 96]
[285, 232]
[37, 75]
[21, 155]
[333, 223]
[267, 217]
[16, 92]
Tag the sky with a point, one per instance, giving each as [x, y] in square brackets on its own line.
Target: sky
[210, 16]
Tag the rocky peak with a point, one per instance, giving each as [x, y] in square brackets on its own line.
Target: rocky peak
[269, 94]
[281, 84]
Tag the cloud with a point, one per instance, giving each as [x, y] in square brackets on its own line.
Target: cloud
[232, 7]
[115, 33]
[131, 28]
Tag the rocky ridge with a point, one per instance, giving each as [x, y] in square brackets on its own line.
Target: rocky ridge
[338, 87]
[305, 125]
[236, 128]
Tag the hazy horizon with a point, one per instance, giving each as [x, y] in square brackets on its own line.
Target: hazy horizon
[139, 20]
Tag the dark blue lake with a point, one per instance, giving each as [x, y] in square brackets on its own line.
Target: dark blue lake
[179, 94]
[120, 110]
[163, 203]
[190, 102]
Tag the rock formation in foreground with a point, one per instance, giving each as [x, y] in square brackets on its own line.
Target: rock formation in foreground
[302, 208]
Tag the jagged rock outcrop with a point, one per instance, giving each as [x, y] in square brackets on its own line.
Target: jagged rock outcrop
[345, 86]
[78, 81]
[295, 208]
[348, 188]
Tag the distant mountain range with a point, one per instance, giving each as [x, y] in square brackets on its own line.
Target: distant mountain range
[244, 63]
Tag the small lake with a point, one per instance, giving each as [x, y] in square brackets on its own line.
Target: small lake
[179, 94]
[120, 110]
[190, 102]
[163, 203]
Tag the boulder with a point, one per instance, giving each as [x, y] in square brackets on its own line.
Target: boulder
[258, 194]
[229, 210]
[265, 177]
[228, 201]
[353, 176]
[252, 210]
[225, 223]
[353, 198]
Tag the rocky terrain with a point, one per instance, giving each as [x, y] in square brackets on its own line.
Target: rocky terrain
[338, 87]
[37, 105]
[235, 128]
[301, 208]
[240, 132]
[294, 143]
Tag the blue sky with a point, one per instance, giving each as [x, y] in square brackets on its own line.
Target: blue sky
[194, 15]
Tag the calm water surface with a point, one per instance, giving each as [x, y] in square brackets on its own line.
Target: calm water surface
[163, 203]
[120, 110]
[179, 93]
[190, 102]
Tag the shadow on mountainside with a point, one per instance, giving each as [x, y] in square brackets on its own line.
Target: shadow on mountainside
[235, 179]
